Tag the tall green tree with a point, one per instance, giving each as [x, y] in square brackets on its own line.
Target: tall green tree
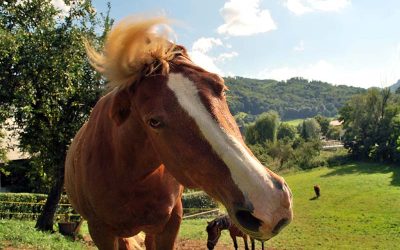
[47, 83]
[323, 123]
[372, 125]
[286, 132]
[309, 129]
[264, 129]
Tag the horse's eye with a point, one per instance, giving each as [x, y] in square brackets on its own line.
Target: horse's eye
[154, 123]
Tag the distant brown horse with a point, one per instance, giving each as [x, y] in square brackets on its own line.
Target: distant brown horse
[317, 191]
[215, 227]
[165, 124]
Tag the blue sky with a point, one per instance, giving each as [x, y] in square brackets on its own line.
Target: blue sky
[351, 42]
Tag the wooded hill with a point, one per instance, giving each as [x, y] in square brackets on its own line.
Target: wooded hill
[395, 86]
[292, 99]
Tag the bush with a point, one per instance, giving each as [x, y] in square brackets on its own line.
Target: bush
[198, 200]
[29, 206]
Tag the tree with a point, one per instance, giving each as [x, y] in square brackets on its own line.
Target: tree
[309, 129]
[323, 123]
[48, 84]
[3, 152]
[372, 125]
[264, 129]
[286, 132]
[334, 133]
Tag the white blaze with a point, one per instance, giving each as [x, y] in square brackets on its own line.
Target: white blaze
[246, 171]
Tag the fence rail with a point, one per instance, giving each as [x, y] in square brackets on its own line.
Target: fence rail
[31, 210]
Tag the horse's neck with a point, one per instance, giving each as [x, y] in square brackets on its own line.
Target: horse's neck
[225, 223]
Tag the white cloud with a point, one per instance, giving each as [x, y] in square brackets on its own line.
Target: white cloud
[204, 44]
[244, 18]
[299, 47]
[226, 56]
[300, 7]
[200, 54]
[328, 72]
[205, 61]
[58, 4]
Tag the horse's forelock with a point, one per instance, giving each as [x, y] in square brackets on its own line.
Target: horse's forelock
[134, 50]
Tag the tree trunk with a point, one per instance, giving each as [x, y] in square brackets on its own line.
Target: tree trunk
[46, 219]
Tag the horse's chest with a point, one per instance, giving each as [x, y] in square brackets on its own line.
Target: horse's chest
[145, 206]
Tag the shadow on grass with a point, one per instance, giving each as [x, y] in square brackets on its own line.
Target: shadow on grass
[367, 168]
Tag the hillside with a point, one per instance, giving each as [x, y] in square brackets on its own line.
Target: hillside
[395, 86]
[293, 99]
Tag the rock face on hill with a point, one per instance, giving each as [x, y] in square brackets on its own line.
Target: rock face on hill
[292, 99]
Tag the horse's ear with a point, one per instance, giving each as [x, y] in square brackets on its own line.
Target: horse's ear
[120, 107]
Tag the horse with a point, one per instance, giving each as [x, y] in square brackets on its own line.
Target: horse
[223, 222]
[317, 191]
[164, 124]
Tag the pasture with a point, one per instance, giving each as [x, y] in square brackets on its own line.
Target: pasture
[358, 209]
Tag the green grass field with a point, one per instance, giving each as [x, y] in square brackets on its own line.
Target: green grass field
[359, 208]
[294, 122]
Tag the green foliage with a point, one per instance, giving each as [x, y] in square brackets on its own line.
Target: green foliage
[398, 143]
[264, 129]
[293, 99]
[281, 152]
[198, 200]
[288, 151]
[23, 176]
[335, 132]
[29, 206]
[3, 150]
[243, 118]
[309, 129]
[372, 125]
[323, 123]
[305, 155]
[286, 132]
[49, 85]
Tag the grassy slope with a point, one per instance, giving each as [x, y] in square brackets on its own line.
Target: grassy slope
[358, 209]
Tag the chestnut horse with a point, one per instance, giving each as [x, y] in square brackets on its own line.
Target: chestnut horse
[165, 124]
[215, 227]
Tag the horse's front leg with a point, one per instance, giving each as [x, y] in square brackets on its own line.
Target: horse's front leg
[102, 236]
[246, 246]
[235, 244]
[253, 245]
[166, 239]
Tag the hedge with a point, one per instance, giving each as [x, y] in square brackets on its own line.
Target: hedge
[29, 206]
[198, 200]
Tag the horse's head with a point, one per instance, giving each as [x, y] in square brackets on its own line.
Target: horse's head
[213, 233]
[184, 112]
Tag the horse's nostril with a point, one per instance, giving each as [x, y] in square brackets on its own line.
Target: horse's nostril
[247, 220]
[281, 224]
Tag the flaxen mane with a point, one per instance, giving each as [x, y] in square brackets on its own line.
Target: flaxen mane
[132, 50]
